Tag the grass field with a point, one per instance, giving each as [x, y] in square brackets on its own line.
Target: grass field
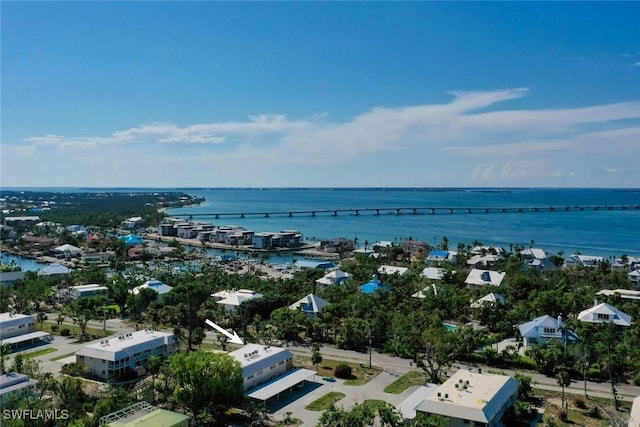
[362, 374]
[32, 354]
[404, 382]
[323, 403]
[62, 356]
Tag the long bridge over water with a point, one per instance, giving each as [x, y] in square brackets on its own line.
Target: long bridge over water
[431, 210]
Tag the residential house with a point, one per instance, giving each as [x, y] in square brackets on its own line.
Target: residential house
[415, 249]
[155, 285]
[577, 260]
[310, 305]
[86, 291]
[433, 273]
[485, 277]
[334, 277]
[67, 251]
[492, 299]
[438, 256]
[605, 313]
[634, 277]
[620, 293]
[391, 269]
[10, 277]
[231, 299]
[21, 222]
[98, 257]
[543, 328]
[469, 399]
[126, 355]
[54, 269]
[337, 244]
[431, 289]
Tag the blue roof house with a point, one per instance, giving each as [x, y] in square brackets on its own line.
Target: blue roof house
[543, 328]
[374, 285]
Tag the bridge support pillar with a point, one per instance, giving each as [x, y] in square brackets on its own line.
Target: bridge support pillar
[397, 211]
[377, 211]
[290, 214]
[335, 213]
[451, 211]
[313, 214]
[357, 212]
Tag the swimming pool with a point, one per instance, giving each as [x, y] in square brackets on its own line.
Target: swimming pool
[450, 327]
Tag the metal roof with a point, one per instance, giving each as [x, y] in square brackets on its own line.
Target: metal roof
[280, 384]
[25, 337]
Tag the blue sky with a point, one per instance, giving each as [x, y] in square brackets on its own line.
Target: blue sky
[320, 94]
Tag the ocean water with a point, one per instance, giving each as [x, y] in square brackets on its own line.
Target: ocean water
[603, 232]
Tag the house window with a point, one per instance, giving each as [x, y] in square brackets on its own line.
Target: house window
[466, 422]
[549, 330]
[603, 316]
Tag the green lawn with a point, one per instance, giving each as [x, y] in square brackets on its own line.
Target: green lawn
[404, 382]
[362, 374]
[374, 404]
[323, 403]
[32, 354]
[62, 356]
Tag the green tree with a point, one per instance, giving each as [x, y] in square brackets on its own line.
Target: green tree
[316, 357]
[289, 323]
[207, 384]
[81, 318]
[439, 347]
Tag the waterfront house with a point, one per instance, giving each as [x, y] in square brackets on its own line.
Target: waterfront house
[98, 257]
[533, 253]
[337, 244]
[472, 399]
[485, 277]
[87, 291]
[542, 329]
[262, 240]
[126, 355]
[605, 313]
[310, 305]
[231, 299]
[268, 371]
[539, 264]
[133, 223]
[483, 260]
[10, 277]
[67, 251]
[54, 269]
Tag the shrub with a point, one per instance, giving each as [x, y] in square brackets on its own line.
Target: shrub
[65, 332]
[636, 379]
[579, 403]
[54, 328]
[343, 371]
[594, 412]
[562, 415]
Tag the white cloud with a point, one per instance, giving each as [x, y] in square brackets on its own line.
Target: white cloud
[460, 142]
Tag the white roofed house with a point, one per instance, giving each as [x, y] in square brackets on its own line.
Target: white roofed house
[391, 269]
[472, 399]
[485, 277]
[492, 298]
[335, 277]
[543, 328]
[433, 273]
[13, 383]
[68, 251]
[310, 305]
[231, 299]
[54, 269]
[153, 284]
[634, 277]
[605, 313]
[578, 260]
[117, 358]
[268, 371]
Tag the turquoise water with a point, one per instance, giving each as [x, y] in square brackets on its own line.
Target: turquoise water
[605, 233]
[450, 327]
[26, 264]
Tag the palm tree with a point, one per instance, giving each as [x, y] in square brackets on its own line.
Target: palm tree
[564, 380]
[61, 318]
[41, 318]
